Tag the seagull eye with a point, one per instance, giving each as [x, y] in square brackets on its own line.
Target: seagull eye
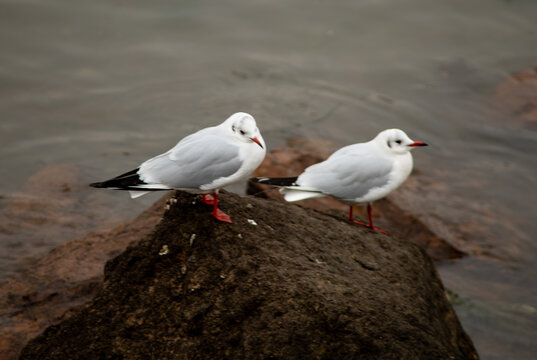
[242, 132]
[398, 141]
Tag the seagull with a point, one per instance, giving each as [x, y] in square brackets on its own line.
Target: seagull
[356, 174]
[203, 162]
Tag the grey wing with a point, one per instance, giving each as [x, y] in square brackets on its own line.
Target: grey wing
[348, 175]
[193, 162]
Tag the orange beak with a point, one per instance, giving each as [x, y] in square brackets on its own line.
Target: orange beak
[256, 140]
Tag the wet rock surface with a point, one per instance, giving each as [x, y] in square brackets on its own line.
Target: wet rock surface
[281, 282]
[517, 95]
[53, 206]
[70, 275]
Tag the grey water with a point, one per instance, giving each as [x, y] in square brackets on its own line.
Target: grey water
[104, 85]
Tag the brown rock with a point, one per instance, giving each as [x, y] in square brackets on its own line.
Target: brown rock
[56, 204]
[53, 206]
[69, 276]
[297, 285]
[517, 95]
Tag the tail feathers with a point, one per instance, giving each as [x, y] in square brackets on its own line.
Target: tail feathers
[137, 194]
[282, 181]
[130, 181]
[297, 195]
[289, 188]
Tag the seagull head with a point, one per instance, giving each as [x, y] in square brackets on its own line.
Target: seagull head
[244, 128]
[396, 141]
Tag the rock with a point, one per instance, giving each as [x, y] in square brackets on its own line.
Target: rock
[55, 203]
[292, 159]
[517, 95]
[299, 284]
[53, 206]
[69, 276]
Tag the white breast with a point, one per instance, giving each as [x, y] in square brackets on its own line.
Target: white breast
[401, 170]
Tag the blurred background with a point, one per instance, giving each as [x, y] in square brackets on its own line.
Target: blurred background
[91, 89]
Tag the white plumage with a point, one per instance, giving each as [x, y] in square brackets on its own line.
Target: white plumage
[203, 162]
[356, 174]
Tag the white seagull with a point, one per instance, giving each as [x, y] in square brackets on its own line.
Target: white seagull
[203, 162]
[355, 174]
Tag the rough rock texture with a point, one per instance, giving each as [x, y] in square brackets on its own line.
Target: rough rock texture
[296, 284]
[65, 279]
[56, 203]
[298, 154]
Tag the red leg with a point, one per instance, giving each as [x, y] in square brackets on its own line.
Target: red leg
[207, 199]
[217, 213]
[369, 214]
[371, 226]
[351, 218]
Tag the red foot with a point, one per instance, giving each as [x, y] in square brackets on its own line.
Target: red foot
[359, 223]
[369, 226]
[377, 229]
[207, 199]
[217, 213]
[221, 216]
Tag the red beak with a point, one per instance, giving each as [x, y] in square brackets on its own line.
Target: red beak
[256, 140]
[418, 143]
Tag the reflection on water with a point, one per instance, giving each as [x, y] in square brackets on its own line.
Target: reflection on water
[105, 85]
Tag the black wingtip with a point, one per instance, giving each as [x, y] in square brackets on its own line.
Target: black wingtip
[124, 181]
[283, 181]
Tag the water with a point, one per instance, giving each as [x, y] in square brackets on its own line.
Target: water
[103, 85]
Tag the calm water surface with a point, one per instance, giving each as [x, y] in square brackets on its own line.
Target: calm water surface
[105, 84]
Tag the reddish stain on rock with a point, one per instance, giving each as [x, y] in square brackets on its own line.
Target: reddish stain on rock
[60, 283]
[517, 95]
